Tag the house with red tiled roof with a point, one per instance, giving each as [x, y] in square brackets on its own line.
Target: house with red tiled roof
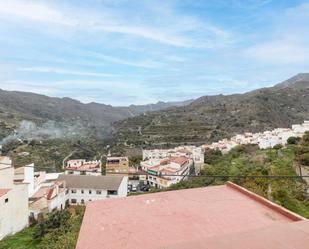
[83, 167]
[165, 172]
[13, 200]
[216, 217]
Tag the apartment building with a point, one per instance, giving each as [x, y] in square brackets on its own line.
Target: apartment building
[83, 167]
[13, 200]
[87, 188]
[163, 173]
[117, 165]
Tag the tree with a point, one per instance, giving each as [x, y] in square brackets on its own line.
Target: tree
[55, 220]
[135, 160]
[212, 155]
[293, 140]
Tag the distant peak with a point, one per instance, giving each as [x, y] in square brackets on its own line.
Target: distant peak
[298, 81]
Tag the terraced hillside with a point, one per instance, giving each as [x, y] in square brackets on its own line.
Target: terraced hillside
[210, 118]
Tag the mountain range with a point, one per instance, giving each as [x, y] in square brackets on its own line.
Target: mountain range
[43, 108]
[205, 119]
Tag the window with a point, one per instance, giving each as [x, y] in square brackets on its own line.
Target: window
[82, 201]
[90, 192]
[99, 192]
[73, 191]
[82, 191]
[89, 199]
[6, 200]
[112, 192]
[73, 201]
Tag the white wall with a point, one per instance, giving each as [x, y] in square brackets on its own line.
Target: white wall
[14, 213]
[29, 178]
[58, 202]
[6, 174]
[78, 172]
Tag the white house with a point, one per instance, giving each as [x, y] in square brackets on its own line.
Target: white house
[83, 167]
[13, 200]
[301, 128]
[49, 197]
[86, 188]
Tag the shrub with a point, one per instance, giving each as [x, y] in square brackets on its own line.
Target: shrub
[212, 155]
[278, 146]
[293, 140]
[304, 159]
[55, 220]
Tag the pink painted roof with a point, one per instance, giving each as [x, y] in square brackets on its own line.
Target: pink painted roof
[3, 191]
[179, 160]
[162, 220]
[283, 236]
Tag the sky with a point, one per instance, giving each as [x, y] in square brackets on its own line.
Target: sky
[123, 52]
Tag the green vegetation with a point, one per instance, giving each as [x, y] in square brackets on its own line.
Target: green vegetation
[59, 231]
[302, 150]
[293, 140]
[22, 240]
[135, 160]
[48, 154]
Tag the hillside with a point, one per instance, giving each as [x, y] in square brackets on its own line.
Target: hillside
[44, 130]
[210, 118]
[38, 107]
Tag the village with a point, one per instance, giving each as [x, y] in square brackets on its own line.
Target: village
[27, 195]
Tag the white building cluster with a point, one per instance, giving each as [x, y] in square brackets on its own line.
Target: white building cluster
[264, 140]
[164, 167]
[26, 194]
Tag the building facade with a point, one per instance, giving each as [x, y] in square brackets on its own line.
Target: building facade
[83, 167]
[163, 173]
[84, 189]
[14, 209]
[117, 165]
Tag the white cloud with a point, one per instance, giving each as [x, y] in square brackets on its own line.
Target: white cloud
[279, 52]
[25, 86]
[286, 41]
[169, 29]
[63, 71]
[34, 11]
[143, 64]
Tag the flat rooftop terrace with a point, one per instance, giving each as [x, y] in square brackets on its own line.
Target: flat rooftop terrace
[167, 219]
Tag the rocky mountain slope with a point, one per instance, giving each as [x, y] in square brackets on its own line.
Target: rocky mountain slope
[210, 118]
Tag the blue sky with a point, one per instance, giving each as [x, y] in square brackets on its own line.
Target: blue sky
[123, 52]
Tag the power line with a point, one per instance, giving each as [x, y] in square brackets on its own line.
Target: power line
[189, 175]
[218, 176]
